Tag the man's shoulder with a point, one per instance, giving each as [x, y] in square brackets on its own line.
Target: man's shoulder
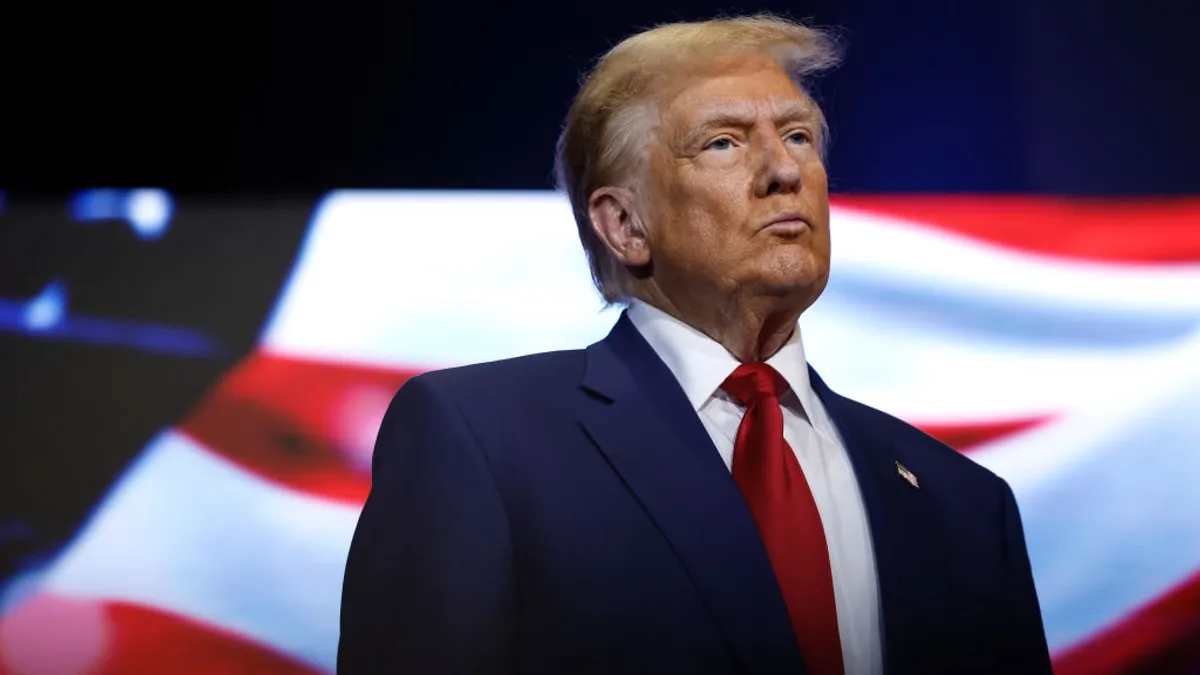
[926, 453]
[547, 373]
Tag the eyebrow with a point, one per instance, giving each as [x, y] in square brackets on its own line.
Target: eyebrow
[742, 116]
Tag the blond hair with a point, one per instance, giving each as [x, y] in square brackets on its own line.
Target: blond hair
[604, 139]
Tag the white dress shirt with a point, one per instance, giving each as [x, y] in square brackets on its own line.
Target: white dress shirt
[701, 365]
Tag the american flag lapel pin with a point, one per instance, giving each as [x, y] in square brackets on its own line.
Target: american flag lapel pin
[907, 475]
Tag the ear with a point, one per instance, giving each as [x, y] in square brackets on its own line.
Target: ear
[619, 225]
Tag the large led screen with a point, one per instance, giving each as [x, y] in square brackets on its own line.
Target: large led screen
[192, 390]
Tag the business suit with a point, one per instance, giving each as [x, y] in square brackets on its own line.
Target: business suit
[567, 513]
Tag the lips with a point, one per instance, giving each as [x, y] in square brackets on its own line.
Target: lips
[788, 221]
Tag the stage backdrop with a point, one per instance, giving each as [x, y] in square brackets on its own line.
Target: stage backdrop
[192, 388]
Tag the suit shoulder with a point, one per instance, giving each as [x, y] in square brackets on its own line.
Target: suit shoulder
[923, 448]
[547, 371]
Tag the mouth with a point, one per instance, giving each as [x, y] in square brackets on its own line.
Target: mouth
[789, 223]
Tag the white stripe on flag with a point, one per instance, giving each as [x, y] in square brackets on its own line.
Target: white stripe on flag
[187, 531]
[1109, 498]
[413, 279]
[896, 250]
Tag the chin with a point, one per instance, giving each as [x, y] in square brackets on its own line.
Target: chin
[794, 290]
[797, 274]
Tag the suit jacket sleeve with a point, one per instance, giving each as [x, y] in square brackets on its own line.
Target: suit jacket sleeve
[429, 583]
[1023, 647]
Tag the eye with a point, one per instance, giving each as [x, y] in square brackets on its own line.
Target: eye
[720, 144]
[799, 137]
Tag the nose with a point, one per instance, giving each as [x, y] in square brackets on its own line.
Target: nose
[780, 172]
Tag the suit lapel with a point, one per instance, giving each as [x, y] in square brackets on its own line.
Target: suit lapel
[643, 423]
[908, 555]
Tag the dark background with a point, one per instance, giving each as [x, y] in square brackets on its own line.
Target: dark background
[1028, 96]
[74, 413]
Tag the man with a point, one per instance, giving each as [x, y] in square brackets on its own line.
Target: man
[686, 495]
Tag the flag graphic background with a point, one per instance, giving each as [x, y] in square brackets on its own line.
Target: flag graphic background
[1056, 342]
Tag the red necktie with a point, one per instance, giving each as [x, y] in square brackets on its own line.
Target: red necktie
[774, 486]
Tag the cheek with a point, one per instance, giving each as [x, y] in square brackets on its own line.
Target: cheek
[816, 194]
[813, 177]
[708, 215]
[720, 228]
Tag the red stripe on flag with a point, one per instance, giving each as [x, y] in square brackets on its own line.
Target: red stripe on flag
[54, 635]
[963, 436]
[304, 424]
[1162, 638]
[1164, 230]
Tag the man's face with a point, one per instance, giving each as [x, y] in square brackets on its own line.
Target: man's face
[738, 200]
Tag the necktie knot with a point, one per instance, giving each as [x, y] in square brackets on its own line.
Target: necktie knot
[753, 383]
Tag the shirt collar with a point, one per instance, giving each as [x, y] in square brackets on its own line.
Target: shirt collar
[701, 364]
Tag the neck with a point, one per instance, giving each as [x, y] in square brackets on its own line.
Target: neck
[751, 329]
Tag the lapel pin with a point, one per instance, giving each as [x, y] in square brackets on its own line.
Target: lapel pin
[907, 475]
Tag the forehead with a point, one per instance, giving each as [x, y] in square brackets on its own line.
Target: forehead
[750, 88]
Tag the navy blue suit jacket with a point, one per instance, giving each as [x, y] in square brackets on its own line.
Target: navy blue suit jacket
[568, 513]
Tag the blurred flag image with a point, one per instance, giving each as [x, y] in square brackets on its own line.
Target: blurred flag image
[1054, 341]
